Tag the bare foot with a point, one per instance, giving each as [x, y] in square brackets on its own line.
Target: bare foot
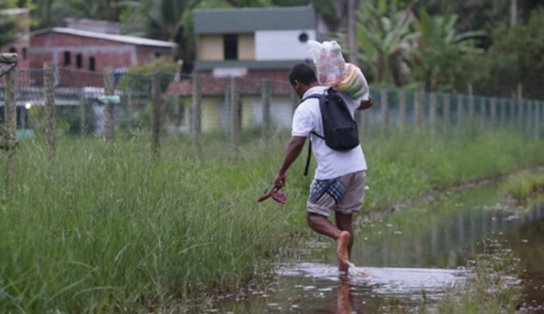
[342, 253]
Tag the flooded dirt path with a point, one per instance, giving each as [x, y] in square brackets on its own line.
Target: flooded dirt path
[411, 258]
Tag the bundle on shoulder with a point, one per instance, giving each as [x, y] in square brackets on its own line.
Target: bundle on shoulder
[333, 71]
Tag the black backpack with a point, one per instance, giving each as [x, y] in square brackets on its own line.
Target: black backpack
[340, 130]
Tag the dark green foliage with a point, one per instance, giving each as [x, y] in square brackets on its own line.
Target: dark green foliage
[516, 57]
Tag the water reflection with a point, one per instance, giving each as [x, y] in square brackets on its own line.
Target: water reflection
[412, 258]
[440, 240]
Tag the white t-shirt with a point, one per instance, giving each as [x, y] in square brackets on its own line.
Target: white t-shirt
[330, 163]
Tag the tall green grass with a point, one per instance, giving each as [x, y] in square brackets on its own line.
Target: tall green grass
[523, 185]
[406, 164]
[102, 229]
[105, 228]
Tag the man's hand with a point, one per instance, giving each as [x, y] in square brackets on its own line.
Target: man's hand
[279, 180]
[293, 150]
[365, 104]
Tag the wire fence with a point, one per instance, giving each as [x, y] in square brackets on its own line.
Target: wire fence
[55, 101]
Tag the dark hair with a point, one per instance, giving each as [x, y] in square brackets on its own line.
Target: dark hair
[303, 73]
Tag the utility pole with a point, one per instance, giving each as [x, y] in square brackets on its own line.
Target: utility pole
[352, 31]
[513, 12]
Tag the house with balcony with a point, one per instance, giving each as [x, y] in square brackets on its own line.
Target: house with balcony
[251, 43]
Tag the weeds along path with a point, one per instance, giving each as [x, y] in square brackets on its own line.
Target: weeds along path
[382, 211]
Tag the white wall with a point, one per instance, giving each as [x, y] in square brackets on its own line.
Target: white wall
[281, 45]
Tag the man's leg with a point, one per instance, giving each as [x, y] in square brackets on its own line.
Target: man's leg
[322, 225]
[344, 222]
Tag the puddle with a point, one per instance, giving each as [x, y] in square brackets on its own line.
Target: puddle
[386, 281]
[410, 259]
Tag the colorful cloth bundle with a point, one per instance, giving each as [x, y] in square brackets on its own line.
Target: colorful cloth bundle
[354, 84]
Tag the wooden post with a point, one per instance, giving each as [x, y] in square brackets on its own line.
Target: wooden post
[265, 91]
[432, 112]
[538, 118]
[447, 107]
[528, 117]
[50, 109]
[108, 108]
[460, 113]
[156, 113]
[470, 104]
[418, 108]
[493, 114]
[502, 113]
[520, 106]
[402, 108]
[235, 112]
[10, 110]
[196, 113]
[385, 109]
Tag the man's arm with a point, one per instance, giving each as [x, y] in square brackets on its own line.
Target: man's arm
[365, 104]
[293, 151]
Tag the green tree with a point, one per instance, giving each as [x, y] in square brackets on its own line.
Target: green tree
[386, 39]
[516, 57]
[438, 51]
[8, 23]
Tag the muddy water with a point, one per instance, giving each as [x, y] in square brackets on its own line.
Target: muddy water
[411, 258]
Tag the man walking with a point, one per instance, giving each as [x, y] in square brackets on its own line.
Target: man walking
[339, 180]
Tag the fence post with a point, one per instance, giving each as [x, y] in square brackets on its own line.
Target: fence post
[418, 108]
[460, 122]
[470, 104]
[502, 114]
[50, 109]
[402, 108]
[196, 113]
[538, 118]
[108, 108]
[493, 111]
[265, 90]
[10, 106]
[528, 117]
[521, 113]
[156, 112]
[432, 112]
[384, 107]
[235, 112]
[447, 105]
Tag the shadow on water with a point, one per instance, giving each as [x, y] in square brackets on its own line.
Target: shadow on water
[409, 260]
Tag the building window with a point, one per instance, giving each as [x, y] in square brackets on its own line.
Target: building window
[79, 61]
[24, 53]
[230, 46]
[12, 50]
[67, 58]
[92, 66]
[157, 54]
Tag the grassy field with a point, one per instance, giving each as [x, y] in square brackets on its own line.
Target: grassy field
[104, 228]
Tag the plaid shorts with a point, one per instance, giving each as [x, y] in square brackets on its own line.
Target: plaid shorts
[344, 194]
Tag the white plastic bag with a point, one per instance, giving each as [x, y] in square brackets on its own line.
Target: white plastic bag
[329, 62]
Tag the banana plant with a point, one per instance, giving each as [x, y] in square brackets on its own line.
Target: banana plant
[385, 38]
[437, 42]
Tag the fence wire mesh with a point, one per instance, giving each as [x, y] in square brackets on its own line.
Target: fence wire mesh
[205, 104]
